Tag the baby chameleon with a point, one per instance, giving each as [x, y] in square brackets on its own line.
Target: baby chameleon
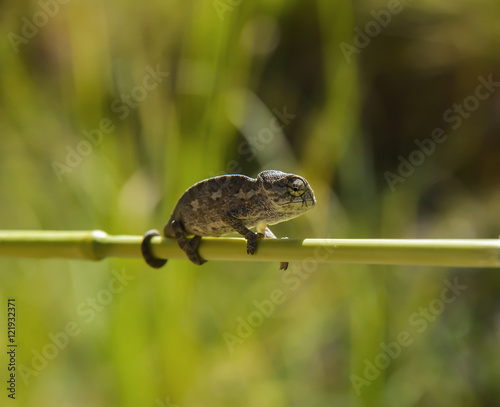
[233, 203]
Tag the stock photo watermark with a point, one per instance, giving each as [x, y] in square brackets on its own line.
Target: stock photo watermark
[418, 323]
[454, 116]
[263, 309]
[363, 36]
[224, 6]
[164, 403]
[31, 26]
[250, 147]
[122, 107]
[87, 310]
[11, 347]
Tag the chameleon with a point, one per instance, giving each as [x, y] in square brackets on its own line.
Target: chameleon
[233, 203]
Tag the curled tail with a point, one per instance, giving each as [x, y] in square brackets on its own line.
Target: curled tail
[146, 250]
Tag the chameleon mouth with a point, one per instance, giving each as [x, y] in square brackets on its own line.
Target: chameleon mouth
[303, 201]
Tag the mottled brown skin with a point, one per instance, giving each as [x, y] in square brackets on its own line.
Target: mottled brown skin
[233, 203]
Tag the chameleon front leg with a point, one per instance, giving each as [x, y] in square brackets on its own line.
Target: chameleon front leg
[239, 227]
[268, 234]
[190, 247]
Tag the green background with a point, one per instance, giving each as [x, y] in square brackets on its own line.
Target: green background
[90, 140]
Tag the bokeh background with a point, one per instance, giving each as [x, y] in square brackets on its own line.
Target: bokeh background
[110, 110]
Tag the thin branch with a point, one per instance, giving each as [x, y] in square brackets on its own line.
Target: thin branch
[97, 245]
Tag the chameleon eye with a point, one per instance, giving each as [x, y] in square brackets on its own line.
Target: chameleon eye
[296, 187]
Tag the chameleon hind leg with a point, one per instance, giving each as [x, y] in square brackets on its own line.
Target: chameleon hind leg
[190, 247]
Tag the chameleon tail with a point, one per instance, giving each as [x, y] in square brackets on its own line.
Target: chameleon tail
[146, 250]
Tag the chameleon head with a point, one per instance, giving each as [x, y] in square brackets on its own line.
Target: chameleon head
[289, 195]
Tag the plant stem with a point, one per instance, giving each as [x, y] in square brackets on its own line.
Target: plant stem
[97, 245]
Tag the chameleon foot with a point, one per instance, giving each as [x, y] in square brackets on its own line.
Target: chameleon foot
[193, 244]
[252, 242]
[146, 250]
[271, 235]
[190, 247]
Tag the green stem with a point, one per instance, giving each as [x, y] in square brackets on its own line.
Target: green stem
[97, 245]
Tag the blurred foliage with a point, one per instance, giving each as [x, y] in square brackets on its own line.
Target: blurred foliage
[91, 138]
